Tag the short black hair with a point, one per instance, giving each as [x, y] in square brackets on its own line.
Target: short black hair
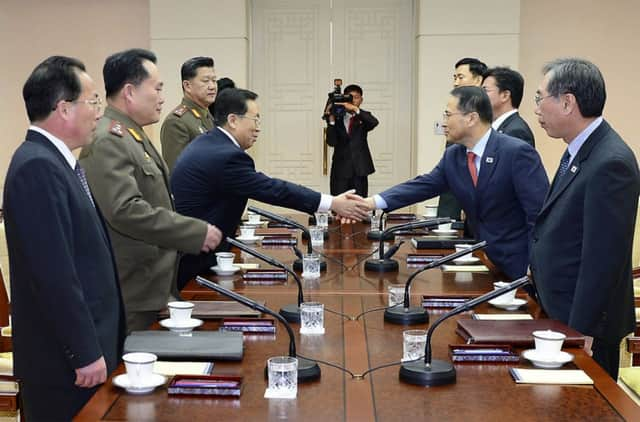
[232, 101]
[190, 68]
[476, 67]
[581, 78]
[223, 83]
[474, 99]
[352, 88]
[508, 80]
[125, 67]
[55, 79]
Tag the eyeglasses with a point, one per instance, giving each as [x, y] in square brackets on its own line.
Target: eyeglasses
[447, 114]
[538, 99]
[96, 103]
[256, 119]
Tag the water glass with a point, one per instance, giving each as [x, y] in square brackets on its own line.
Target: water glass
[375, 222]
[413, 344]
[311, 266]
[283, 376]
[322, 219]
[396, 294]
[317, 235]
[312, 318]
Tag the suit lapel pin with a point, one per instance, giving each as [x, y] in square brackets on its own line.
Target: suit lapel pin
[489, 160]
[574, 169]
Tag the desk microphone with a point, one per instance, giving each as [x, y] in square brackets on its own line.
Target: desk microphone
[439, 372]
[380, 234]
[297, 264]
[406, 315]
[290, 312]
[308, 370]
[383, 264]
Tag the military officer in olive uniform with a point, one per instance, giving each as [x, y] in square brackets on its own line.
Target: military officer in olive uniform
[191, 118]
[130, 183]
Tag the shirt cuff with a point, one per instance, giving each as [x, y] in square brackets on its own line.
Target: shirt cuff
[380, 202]
[325, 202]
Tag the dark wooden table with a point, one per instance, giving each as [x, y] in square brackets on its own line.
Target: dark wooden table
[481, 392]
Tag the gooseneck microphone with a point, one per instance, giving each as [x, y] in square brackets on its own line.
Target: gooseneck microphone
[290, 312]
[383, 264]
[438, 372]
[406, 315]
[297, 264]
[308, 370]
[380, 234]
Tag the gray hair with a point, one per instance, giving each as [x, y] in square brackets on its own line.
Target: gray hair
[582, 79]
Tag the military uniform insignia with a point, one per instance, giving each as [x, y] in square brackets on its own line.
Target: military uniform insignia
[116, 128]
[202, 130]
[135, 134]
[195, 113]
[180, 110]
[147, 157]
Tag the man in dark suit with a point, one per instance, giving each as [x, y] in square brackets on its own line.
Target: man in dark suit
[214, 177]
[66, 306]
[347, 134]
[469, 71]
[499, 180]
[505, 87]
[581, 251]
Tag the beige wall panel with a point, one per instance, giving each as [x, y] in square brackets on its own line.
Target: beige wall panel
[198, 19]
[469, 17]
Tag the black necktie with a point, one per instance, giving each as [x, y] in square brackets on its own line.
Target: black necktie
[83, 181]
[564, 164]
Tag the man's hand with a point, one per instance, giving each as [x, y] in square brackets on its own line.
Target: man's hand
[212, 239]
[350, 206]
[93, 374]
[368, 202]
[588, 343]
[349, 107]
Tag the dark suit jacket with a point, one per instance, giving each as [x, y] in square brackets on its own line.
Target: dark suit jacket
[213, 179]
[65, 300]
[515, 126]
[351, 154]
[502, 209]
[581, 252]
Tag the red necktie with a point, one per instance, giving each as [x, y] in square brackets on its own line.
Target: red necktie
[471, 163]
[351, 120]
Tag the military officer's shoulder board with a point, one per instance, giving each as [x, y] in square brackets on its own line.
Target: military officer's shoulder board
[180, 110]
[116, 128]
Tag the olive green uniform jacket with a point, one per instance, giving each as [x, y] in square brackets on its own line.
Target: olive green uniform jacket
[129, 180]
[181, 126]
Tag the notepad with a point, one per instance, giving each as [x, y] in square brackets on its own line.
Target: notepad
[496, 317]
[550, 376]
[246, 266]
[465, 268]
[183, 368]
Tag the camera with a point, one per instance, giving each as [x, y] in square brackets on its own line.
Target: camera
[336, 96]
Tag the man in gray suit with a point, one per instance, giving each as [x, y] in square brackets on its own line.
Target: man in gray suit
[581, 251]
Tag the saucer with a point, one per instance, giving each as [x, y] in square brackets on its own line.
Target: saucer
[512, 306]
[216, 269]
[249, 239]
[466, 261]
[547, 362]
[122, 381]
[444, 231]
[182, 327]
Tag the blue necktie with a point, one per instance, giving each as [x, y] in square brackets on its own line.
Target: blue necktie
[83, 181]
[564, 164]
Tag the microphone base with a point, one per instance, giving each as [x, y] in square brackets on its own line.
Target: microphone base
[291, 313]
[381, 265]
[439, 373]
[325, 235]
[297, 265]
[308, 370]
[412, 316]
[375, 235]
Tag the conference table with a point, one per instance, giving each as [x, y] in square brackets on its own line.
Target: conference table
[358, 341]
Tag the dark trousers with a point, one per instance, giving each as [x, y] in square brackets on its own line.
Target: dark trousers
[341, 184]
[193, 265]
[608, 356]
[52, 403]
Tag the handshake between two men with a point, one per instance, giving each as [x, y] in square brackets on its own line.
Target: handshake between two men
[351, 207]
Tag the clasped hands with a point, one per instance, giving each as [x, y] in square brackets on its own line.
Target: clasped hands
[352, 208]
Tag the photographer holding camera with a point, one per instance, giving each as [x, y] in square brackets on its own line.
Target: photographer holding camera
[347, 129]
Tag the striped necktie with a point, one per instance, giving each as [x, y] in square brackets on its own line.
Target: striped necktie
[83, 181]
[564, 164]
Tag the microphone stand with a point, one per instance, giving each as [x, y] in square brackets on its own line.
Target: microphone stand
[290, 312]
[406, 315]
[297, 264]
[383, 264]
[308, 370]
[380, 234]
[439, 372]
